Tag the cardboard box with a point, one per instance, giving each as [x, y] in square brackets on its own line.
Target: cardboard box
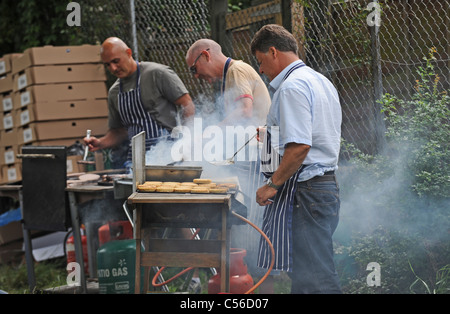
[9, 137]
[55, 142]
[12, 173]
[6, 102]
[7, 120]
[6, 62]
[72, 164]
[54, 74]
[60, 92]
[8, 155]
[61, 111]
[11, 232]
[6, 83]
[38, 131]
[50, 55]
[11, 252]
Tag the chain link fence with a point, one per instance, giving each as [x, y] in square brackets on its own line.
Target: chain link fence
[335, 36]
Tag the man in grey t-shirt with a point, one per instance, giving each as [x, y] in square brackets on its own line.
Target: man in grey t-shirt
[146, 97]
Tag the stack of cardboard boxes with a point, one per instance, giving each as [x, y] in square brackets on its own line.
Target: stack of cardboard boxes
[8, 147]
[55, 95]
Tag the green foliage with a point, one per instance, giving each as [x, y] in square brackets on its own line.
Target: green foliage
[237, 5]
[49, 274]
[442, 285]
[421, 128]
[397, 202]
[26, 24]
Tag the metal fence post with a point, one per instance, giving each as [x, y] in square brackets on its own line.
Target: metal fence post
[133, 29]
[377, 84]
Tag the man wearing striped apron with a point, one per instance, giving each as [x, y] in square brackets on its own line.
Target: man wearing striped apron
[146, 97]
[301, 154]
[244, 101]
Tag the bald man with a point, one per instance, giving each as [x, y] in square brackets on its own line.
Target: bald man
[246, 98]
[147, 96]
[246, 102]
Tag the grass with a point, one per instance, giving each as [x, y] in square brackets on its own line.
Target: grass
[14, 277]
[52, 273]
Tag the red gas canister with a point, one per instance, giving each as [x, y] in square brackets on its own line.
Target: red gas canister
[115, 230]
[70, 250]
[240, 280]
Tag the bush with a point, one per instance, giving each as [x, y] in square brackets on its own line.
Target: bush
[396, 203]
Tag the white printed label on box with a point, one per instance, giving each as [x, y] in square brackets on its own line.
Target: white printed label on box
[2, 67]
[22, 82]
[25, 99]
[27, 135]
[9, 157]
[69, 166]
[7, 104]
[8, 122]
[12, 174]
[24, 117]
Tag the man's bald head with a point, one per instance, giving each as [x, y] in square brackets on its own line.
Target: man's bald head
[208, 58]
[203, 44]
[113, 43]
[118, 57]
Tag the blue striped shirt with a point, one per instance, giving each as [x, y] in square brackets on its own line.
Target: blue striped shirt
[306, 108]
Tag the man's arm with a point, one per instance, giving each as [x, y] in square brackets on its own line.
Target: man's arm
[294, 155]
[112, 138]
[187, 105]
[243, 110]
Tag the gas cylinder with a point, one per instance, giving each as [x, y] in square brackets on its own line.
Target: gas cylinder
[116, 267]
[70, 250]
[240, 280]
[115, 230]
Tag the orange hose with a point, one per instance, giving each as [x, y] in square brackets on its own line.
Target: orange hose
[177, 275]
[251, 289]
[168, 280]
[271, 250]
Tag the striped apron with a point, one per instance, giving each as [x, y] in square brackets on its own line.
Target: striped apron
[135, 118]
[277, 220]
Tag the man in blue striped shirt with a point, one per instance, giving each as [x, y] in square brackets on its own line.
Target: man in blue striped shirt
[301, 195]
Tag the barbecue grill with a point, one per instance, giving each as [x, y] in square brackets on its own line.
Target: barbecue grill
[180, 210]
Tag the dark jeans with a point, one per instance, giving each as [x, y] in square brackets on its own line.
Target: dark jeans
[315, 218]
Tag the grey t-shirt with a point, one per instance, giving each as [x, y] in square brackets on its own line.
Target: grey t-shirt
[160, 88]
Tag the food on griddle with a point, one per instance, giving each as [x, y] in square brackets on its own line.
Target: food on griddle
[155, 183]
[228, 185]
[203, 181]
[208, 185]
[196, 186]
[189, 183]
[200, 190]
[173, 184]
[182, 189]
[146, 188]
[218, 190]
[164, 188]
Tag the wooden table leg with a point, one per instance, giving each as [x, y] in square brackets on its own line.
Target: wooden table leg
[77, 240]
[137, 236]
[225, 252]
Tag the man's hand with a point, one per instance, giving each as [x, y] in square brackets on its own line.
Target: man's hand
[93, 143]
[265, 194]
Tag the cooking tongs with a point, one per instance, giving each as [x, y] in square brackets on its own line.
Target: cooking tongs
[86, 151]
[230, 161]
